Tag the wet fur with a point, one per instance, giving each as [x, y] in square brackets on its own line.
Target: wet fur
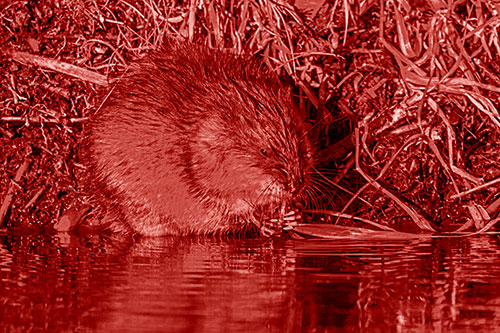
[194, 140]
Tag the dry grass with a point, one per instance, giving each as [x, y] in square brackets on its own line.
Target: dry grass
[404, 98]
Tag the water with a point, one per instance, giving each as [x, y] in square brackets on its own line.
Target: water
[65, 283]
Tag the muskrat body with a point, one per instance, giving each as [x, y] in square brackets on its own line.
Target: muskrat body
[195, 141]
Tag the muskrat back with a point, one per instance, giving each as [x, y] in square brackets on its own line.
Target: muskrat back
[197, 140]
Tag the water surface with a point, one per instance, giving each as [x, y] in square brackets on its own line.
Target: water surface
[66, 283]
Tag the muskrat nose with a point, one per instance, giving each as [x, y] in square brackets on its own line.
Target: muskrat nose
[291, 188]
[294, 184]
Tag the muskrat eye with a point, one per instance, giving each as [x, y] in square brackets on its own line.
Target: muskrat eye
[263, 152]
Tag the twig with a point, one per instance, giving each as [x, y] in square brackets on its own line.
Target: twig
[415, 216]
[348, 216]
[10, 193]
[36, 119]
[59, 66]
[477, 188]
[34, 198]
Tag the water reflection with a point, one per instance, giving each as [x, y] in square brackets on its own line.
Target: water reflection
[214, 285]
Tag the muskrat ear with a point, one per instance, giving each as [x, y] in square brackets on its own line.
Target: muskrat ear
[263, 152]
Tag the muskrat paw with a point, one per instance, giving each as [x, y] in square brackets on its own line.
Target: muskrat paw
[275, 226]
[291, 220]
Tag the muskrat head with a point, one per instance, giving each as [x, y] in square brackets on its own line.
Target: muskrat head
[252, 154]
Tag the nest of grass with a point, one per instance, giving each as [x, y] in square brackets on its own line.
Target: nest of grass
[403, 99]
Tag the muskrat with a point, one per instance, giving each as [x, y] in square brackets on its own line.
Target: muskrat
[193, 140]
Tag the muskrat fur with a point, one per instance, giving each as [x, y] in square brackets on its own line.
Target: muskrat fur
[193, 140]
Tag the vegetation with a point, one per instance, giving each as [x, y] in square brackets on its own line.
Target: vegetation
[403, 97]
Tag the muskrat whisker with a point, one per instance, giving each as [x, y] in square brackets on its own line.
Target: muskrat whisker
[324, 171]
[308, 198]
[327, 180]
[320, 184]
[322, 188]
[316, 198]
